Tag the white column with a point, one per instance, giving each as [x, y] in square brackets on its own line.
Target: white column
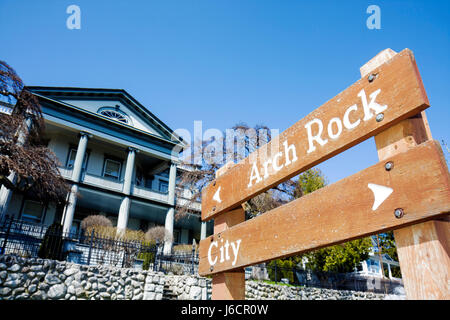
[5, 193]
[172, 182]
[365, 269]
[81, 152]
[69, 210]
[171, 212]
[124, 210]
[389, 270]
[203, 231]
[129, 170]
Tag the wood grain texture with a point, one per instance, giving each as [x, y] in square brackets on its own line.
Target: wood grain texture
[423, 249]
[228, 285]
[341, 211]
[401, 90]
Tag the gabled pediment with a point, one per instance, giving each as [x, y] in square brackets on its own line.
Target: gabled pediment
[110, 104]
[118, 111]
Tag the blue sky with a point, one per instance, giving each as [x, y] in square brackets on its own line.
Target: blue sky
[223, 62]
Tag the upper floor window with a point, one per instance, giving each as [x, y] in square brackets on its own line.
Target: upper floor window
[112, 168]
[163, 186]
[71, 159]
[114, 113]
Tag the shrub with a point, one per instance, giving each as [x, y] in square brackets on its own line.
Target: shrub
[95, 221]
[158, 234]
[184, 248]
[284, 269]
[103, 228]
[147, 254]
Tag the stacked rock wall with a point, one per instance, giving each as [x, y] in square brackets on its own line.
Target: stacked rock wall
[40, 279]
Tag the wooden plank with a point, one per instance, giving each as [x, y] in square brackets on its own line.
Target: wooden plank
[343, 211]
[423, 249]
[396, 90]
[228, 285]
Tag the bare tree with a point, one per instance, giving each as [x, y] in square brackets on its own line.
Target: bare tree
[23, 153]
[200, 166]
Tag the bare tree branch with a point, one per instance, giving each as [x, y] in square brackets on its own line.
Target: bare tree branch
[22, 150]
[197, 176]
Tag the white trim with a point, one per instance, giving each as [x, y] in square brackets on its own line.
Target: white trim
[75, 127]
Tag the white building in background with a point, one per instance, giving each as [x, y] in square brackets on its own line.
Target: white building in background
[372, 266]
[120, 160]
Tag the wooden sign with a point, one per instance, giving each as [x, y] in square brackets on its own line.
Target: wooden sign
[408, 188]
[392, 92]
[423, 249]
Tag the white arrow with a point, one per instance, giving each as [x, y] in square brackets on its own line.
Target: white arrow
[381, 193]
[217, 196]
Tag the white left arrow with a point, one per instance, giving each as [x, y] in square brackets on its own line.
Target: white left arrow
[380, 193]
[217, 196]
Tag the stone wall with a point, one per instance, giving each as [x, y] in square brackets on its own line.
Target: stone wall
[258, 290]
[187, 287]
[40, 279]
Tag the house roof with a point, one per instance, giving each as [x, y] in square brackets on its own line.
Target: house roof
[61, 93]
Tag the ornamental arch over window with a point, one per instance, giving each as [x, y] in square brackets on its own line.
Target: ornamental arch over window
[114, 113]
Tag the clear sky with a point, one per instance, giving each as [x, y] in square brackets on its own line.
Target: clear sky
[222, 62]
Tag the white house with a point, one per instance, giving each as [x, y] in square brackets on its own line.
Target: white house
[120, 160]
[372, 266]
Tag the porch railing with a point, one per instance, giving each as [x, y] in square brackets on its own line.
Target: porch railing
[32, 240]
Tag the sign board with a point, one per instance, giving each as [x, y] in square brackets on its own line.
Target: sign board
[392, 92]
[408, 188]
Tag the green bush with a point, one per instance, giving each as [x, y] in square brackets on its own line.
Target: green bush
[279, 269]
[147, 254]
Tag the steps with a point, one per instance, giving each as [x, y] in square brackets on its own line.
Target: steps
[168, 293]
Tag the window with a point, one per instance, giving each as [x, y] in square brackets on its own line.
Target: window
[71, 159]
[139, 177]
[163, 186]
[115, 114]
[112, 169]
[32, 211]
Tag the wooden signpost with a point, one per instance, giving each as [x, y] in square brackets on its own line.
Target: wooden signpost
[409, 186]
[395, 91]
[369, 202]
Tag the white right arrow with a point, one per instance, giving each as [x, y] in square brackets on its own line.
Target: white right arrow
[381, 193]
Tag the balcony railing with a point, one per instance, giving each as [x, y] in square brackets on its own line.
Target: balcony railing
[103, 182]
[66, 172]
[194, 205]
[152, 194]
[117, 186]
[184, 196]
